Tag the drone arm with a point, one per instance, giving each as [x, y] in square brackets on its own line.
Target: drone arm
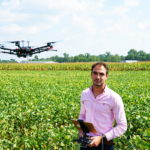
[6, 49]
[8, 53]
[38, 48]
[43, 51]
[20, 47]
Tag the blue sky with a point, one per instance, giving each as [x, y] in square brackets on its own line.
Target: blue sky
[82, 26]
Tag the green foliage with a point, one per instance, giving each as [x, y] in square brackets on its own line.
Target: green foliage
[37, 106]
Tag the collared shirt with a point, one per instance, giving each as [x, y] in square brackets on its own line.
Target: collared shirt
[101, 111]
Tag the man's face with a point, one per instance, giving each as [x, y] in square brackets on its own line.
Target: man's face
[98, 75]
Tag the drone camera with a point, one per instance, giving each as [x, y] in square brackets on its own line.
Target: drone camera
[49, 44]
[17, 43]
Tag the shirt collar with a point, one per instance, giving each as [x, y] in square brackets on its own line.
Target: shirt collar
[105, 90]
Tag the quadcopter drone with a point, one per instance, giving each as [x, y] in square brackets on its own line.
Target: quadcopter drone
[25, 51]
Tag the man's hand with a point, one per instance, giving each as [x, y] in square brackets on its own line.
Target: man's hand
[80, 133]
[96, 140]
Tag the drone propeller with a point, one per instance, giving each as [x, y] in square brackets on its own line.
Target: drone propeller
[12, 41]
[52, 42]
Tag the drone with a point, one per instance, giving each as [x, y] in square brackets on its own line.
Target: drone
[24, 51]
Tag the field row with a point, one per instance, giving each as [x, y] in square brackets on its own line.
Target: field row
[140, 66]
[37, 106]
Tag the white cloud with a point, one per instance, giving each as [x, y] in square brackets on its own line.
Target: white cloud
[16, 29]
[66, 30]
[120, 26]
[72, 5]
[10, 29]
[140, 12]
[131, 3]
[122, 9]
[119, 10]
[105, 41]
[17, 11]
[140, 36]
[100, 4]
[107, 29]
[52, 19]
[12, 4]
[86, 23]
[143, 25]
[8, 16]
[56, 5]
[64, 7]
[108, 21]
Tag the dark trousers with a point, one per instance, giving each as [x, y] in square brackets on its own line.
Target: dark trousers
[99, 147]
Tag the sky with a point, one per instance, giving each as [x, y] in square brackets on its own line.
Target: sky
[80, 26]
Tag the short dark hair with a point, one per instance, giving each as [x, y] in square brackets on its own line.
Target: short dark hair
[100, 64]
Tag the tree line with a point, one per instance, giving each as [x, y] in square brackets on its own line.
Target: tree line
[8, 61]
[107, 57]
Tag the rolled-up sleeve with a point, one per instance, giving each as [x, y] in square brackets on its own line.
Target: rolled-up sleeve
[119, 114]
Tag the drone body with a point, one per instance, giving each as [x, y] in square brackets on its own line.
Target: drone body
[27, 51]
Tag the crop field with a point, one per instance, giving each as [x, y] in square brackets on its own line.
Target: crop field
[139, 66]
[37, 107]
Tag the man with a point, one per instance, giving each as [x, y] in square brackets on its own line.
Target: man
[100, 106]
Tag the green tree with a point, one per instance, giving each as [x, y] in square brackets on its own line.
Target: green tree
[148, 57]
[87, 55]
[102, 57]
[141, 55]
[132, 55]
[56, 58]
[47, 59]
[66, 57]
[108, 57]
[36, 58]
[132, 51]
[115, 58]
[42, 59]
[72, 59]
[60, 59]
[52, 58]
[122, 57]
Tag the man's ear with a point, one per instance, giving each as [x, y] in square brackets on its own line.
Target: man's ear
[106, 76]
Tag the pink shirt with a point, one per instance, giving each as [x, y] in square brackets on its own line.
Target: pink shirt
[101, 111]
